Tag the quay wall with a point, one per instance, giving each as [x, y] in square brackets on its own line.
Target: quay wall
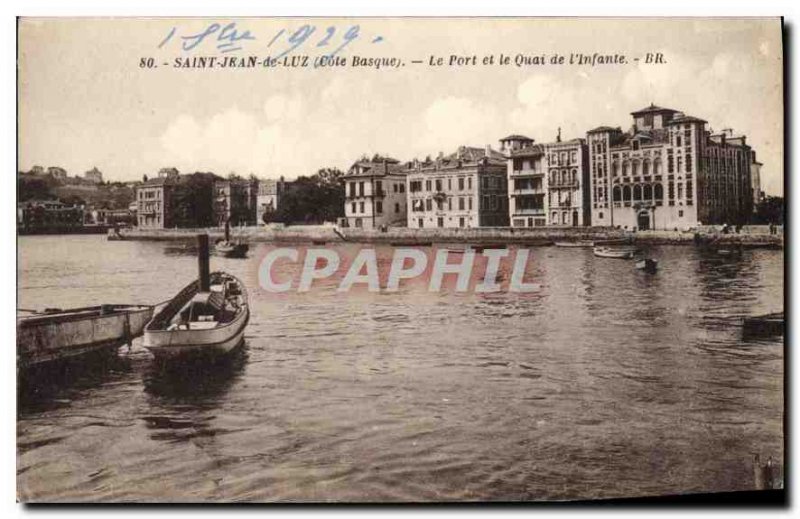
[480, 235]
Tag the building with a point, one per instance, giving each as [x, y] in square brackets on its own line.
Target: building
[755, 178]
[154, 198]
[375, 193]
[56, 172]
[269, 196]
[468, 188]
[668, 172]
[48, 216]
[94, 176]
[235, 201]
[548, 183]
[174, 200]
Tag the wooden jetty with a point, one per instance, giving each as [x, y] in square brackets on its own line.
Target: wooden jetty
[57, 334]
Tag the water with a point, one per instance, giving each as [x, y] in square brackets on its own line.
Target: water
[606, 383]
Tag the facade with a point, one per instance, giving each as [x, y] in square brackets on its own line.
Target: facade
[668, 172]
[235, 201]
[154, 198]
[755, 177]
[375, 193]
[468, 188]
[268, 199]
[36, 216]
[548, 183]
[94, 176]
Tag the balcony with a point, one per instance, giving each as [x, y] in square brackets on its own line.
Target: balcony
[527, 173]
[528, 191]
[529, 211]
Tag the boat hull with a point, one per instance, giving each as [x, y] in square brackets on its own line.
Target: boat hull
[168, 344]
[73, 333]
[614, 254]
[189, 346]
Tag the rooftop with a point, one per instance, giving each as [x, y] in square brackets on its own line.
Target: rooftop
[652, 109]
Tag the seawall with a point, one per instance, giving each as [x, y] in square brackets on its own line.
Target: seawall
[483, 235]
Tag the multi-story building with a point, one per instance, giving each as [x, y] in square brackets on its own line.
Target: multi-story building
[548, 183]
[755, 177]
[154, 200]
[468, 188]
[235, 201]
[175, 200]
[94, 176]
[375, 193]
[668, 172]
[48, 216]
[57, 172]
[270, 192]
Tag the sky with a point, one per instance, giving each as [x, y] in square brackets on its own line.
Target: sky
[85, 100]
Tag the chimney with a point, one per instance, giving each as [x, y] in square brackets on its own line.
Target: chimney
[558, 137]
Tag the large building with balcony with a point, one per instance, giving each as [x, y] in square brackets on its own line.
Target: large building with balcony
[375, 193]
[235, 201]
[668, 172]
[548, 183]
[154, 200]
[467, 188]
[174, 200]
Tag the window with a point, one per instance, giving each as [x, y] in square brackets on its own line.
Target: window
[469, 199]
[427, 185]
[449, 184]
[688, 162]
[449, 203]
[461, 222]
[469, 183]
[353, 207]
[361, 189]
[461, 183]
[460, 203]
[361, 207]
[396, 208]
[428, 205]
[420, 222]
[378, 187]
[440, 222]
[678, 141]
[600, 215]
[402, 188]
[378, 207]
[438, 184]
[680, 213]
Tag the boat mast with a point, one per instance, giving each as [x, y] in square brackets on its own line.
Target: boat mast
[202, 262]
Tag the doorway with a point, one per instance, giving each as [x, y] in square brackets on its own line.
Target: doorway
[643, 221]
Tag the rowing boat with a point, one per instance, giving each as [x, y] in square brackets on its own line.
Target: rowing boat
[199, 321]
[56, 334]
[615, 252]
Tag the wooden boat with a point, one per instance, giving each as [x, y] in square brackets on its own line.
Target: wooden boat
[57, 334]
[229, 248]
[764, 325]
[205, 319]
[579, 243]
[200, 322]
[615, 252]
[648, 265]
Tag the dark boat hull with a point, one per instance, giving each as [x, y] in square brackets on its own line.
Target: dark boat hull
[72, 333]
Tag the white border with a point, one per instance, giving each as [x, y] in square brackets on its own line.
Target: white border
[234, 8]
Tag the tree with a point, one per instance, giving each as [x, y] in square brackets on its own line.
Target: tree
[315, 199]
[192, 200]
[770, 210]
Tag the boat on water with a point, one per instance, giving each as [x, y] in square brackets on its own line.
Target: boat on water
[579, 243]
[57, 334]
[615, 252]
[229, 248]
[764, 325]
[648, 265]
[205, 319]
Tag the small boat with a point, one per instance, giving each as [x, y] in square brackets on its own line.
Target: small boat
[764, 325]
[649, 265]
[57, 334]
[579, 243]
[205, 319]
[229, 248]
[615, 252]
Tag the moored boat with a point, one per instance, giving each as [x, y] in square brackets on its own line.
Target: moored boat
[230, 248]
[648, 265]
[205, 319]
[615, 252]
[579, 243]
[56, 334]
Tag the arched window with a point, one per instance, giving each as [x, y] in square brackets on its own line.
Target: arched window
[648, 192]
[574, 175]
[624, 169]
[659, 192]
[615, 169]
[555, 218]
[565, 218]
[617, 194]
[626, 193]
[646, 167]
[635, 168]
[637, 192]
[657, 167]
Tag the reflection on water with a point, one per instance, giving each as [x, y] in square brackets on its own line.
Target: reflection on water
[607, 382]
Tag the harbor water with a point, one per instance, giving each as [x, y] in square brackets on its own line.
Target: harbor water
[606, 382]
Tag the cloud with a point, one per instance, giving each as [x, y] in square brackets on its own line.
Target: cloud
[453, 121]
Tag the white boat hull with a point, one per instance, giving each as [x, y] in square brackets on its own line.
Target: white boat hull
[193, 343]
